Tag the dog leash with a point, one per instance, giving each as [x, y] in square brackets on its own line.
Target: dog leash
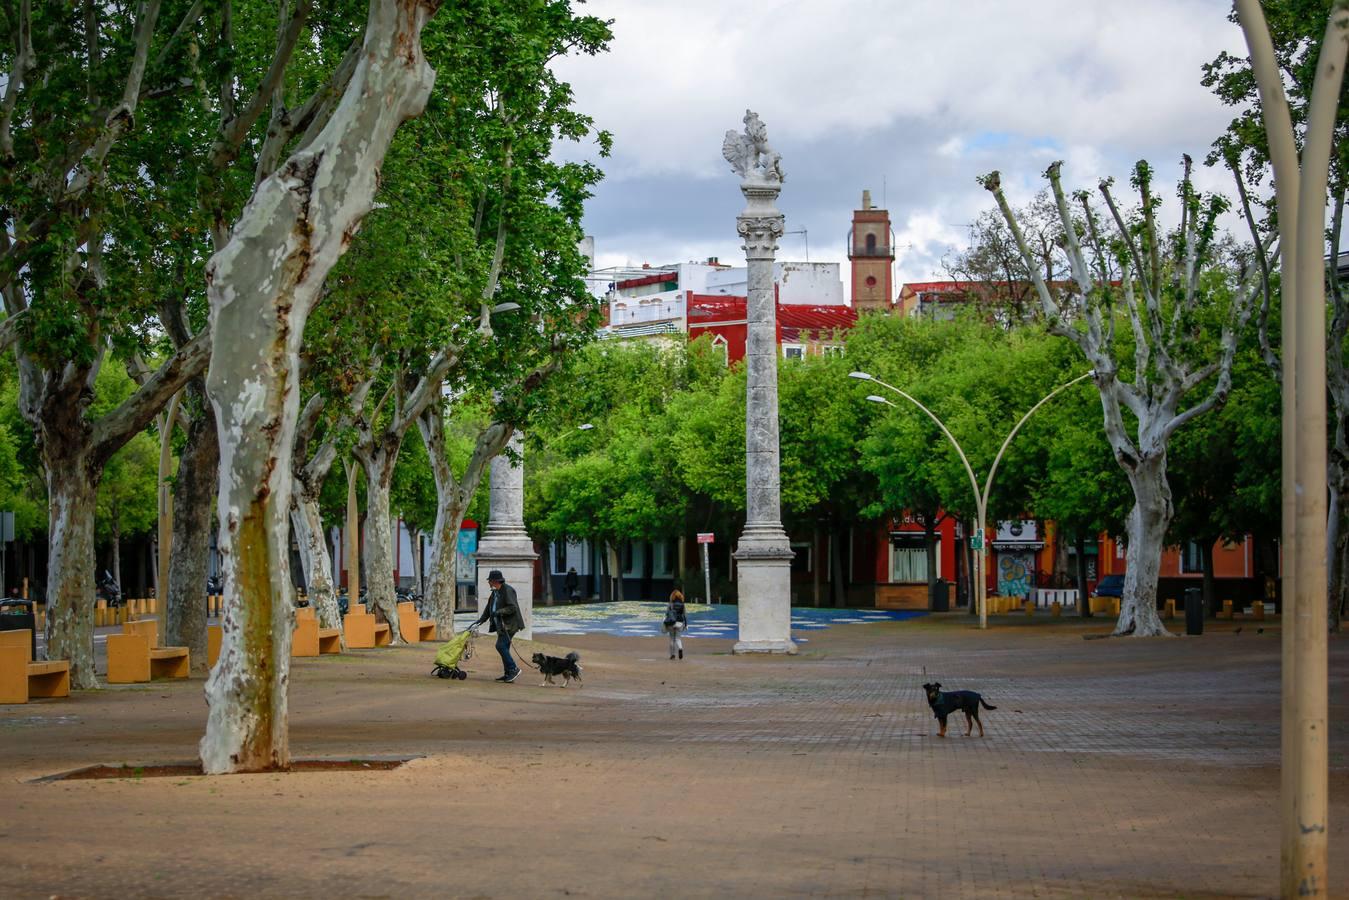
[521, 658]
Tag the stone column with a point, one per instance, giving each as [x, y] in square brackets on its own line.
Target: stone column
[764, 554]
[505, 544]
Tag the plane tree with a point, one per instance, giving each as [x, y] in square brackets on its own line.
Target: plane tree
[1180, 308]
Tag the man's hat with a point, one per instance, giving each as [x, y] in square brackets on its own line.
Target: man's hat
[495, 575]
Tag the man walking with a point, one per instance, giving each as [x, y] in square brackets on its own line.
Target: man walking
[502, 612]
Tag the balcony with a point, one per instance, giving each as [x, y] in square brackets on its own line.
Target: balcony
[871, 253]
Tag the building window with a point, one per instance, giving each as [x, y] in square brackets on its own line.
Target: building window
[908, 563]
[634, 559]
[559, 557]
[832, 349]
[871, 244]
[871, 281]
[1191, 558]
[793, 351]
[662, 559]
[722, 347]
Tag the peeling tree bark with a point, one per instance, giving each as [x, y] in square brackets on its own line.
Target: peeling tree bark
[72, 485]
[1162, 377]
[262, 286]
[379, 583]
[194, 491]
[452, 499]
[308, 524]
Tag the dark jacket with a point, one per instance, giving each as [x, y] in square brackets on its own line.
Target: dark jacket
[675, 613]
[502, 606]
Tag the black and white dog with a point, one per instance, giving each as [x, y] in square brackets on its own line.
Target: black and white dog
[569, 667]
[944, 703]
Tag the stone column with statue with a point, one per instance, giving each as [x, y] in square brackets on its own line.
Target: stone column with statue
[505, 544]
[764, 554]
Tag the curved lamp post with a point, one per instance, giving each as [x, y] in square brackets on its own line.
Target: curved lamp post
[980, 497]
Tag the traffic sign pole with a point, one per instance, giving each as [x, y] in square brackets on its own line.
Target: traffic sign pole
[705, 538]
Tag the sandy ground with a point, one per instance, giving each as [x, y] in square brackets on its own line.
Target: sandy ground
[1129, 768]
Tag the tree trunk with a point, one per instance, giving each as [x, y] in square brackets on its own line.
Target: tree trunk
[379, 586]
[308, 524]
[839, 579]
[615, 572]
[185, 595]
[1208, 587]
[1061, 575]
[441, 583]
[1083, 604]
[1147, 523]
[930, 549]
[116, 551]
[815, 561]
[72, 485]
[262, 286]
[1338, 478]
[415, 547]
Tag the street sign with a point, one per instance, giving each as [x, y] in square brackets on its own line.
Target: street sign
[977, 541]
[706, 537]
[6, 526]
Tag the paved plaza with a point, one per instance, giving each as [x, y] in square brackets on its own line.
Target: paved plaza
[1111, 768]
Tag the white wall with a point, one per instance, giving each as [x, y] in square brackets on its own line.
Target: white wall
[815, 284]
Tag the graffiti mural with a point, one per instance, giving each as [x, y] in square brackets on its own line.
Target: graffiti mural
[1014, 574]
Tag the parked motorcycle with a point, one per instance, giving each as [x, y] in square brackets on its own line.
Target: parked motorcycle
[108, 590]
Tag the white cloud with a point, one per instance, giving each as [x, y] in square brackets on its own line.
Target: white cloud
[920, 96]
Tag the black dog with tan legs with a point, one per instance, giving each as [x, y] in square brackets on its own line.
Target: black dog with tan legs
[944, 703]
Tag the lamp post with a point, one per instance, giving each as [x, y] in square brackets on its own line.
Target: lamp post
[980, 497]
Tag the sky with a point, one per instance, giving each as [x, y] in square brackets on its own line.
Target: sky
[910, 99]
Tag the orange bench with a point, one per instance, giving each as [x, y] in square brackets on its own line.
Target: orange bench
[363, 632]
[412, 626]
[309, 639]
[22, 678]
[134, 658]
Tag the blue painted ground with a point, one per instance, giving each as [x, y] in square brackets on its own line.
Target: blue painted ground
[638, 619]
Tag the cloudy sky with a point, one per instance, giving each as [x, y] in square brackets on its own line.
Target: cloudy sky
[911, 99]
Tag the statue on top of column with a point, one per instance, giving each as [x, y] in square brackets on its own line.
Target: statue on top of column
[749, 153]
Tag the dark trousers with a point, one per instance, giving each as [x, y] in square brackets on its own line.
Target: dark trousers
[504, 648]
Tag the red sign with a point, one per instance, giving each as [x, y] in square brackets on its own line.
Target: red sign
[705, 537]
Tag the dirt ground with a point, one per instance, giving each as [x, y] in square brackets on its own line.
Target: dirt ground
[1113, 768]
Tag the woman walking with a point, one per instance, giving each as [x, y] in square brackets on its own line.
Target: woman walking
[675, 623]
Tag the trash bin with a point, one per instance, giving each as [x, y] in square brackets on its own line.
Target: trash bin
[1194, 611]
[940, 601]
[16, 615]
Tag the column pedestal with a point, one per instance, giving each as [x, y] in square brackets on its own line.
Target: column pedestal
[764, 588]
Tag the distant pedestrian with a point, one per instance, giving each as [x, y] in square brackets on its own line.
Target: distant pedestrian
[675, 624]
[573, 585]
[502, 612]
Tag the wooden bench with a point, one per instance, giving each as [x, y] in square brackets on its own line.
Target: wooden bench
[363, 632]
[412, 626]
[133, 657]
[21, 677]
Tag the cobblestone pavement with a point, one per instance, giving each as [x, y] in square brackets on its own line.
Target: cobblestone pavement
[1118, 768]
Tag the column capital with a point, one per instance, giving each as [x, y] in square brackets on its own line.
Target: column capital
[760, 234]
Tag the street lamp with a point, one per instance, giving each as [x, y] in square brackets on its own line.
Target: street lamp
[980, 497]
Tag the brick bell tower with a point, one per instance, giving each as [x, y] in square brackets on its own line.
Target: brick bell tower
[871, 253]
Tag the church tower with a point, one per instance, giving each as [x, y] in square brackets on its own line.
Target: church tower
[871, 253]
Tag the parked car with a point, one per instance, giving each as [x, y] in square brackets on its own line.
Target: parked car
[1109, 586]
